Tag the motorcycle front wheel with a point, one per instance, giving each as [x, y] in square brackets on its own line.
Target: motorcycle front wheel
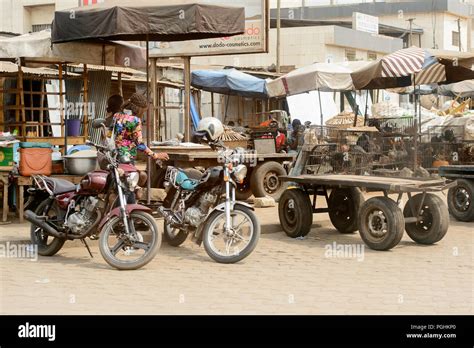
[234, 245]
[128, 251]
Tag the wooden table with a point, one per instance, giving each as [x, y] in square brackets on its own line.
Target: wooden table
[22, 181]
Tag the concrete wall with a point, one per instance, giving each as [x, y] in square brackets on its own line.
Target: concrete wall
[19, 15]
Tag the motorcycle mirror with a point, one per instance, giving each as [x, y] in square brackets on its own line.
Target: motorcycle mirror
[97, 123]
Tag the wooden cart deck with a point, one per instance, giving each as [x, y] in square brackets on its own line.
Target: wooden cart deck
[371, 182]
[457, 171]
[212, 155]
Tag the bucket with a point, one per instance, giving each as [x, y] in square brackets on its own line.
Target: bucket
[73, 127]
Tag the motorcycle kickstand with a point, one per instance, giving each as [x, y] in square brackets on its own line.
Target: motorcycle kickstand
[87, 247]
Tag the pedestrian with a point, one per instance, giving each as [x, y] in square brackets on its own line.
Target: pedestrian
[114, 105]
[128, 130]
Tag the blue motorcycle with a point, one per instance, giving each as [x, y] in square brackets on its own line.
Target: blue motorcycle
[203, 205]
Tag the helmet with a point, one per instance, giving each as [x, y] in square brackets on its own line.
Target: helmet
[210, 127]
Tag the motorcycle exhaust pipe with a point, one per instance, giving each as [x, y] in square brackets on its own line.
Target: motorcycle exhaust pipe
[35, 220]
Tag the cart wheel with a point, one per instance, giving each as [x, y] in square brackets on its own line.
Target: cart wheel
[265, 182]
[381, 223]
[295, 212]
[434, 221]
[461, 200]
[243, 191]
[344, 205]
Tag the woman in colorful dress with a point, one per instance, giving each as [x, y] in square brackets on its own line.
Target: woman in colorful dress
[128, 130]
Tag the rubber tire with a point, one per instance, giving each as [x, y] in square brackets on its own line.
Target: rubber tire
[468, 215]
[250, 247]
[395, 222]
[355, 197]
[303, 216]
[439, 214]
[104, 249]
[56, 244]
[258, 174]
[176, 241]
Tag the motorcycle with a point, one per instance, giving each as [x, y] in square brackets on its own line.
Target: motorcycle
[96, 208]
[194, 206]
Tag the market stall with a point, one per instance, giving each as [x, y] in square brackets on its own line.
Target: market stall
[149, 22]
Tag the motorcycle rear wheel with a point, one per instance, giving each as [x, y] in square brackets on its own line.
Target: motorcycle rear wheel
[113, 231]
[173, 236]
[39, 237]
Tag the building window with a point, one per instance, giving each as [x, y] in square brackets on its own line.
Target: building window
[455, 38]
[350, 55]
[371, 55]
[39, 27]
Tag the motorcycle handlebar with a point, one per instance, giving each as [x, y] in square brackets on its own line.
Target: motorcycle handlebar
[101, 147]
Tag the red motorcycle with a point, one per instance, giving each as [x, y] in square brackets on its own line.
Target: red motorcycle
[99, 208]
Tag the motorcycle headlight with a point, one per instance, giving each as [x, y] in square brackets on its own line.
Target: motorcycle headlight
[132, 180]
[240, 172]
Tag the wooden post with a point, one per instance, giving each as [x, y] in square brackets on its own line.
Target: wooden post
[154, 93]
[61, 107]
[22, 100]
[187, 100]
[41, 113]
[86, 101]
[212, 104]
[120, 86]
[165, 115]
[2, 114]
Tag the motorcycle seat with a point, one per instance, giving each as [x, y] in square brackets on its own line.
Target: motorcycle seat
[59, 186]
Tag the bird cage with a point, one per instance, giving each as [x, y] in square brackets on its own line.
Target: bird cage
[342, 151]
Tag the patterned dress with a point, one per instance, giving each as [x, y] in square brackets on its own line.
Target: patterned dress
[128, 136]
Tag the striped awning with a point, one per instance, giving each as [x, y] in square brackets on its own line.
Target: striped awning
[404, 62]
[433, 74]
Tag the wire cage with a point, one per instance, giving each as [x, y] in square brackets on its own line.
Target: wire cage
[393, 126]
[466, 156]
[396, 141]
[340, 151]
[441, 145]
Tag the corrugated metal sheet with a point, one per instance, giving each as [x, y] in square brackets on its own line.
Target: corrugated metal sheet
[99, 91]
[8, 67]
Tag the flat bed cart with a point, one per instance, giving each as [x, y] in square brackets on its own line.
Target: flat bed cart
[263, 174]
[380, 220]
[461, 196]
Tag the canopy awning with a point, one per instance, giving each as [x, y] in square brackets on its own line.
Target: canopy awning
[318, 76]
[37, 47]
[230, 82]
[147, 21]
[460, 89]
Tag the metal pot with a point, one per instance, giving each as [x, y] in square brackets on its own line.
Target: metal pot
[78, 165]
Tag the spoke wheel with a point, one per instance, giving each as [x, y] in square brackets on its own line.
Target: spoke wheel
[130, 250]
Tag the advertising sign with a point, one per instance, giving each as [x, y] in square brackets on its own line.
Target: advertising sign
[363, 22]
[254, 40]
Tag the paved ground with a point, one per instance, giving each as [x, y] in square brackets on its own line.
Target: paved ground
[283, 275]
